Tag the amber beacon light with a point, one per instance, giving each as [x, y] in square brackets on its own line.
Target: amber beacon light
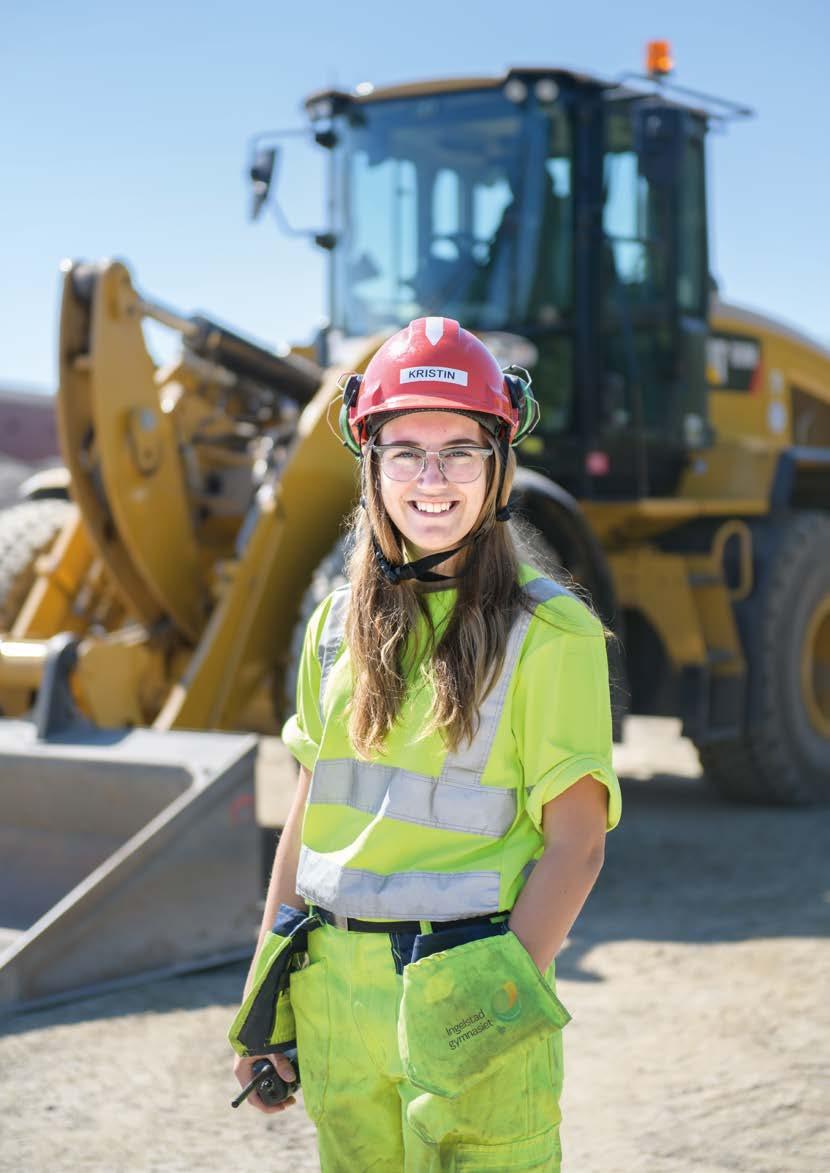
[659, 61]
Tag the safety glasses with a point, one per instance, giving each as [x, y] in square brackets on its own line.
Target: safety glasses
[406, 462]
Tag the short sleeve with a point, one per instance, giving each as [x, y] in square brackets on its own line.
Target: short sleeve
[303, 732]
[562, 719]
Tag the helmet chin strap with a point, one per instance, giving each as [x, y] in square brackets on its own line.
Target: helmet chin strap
[422, 568]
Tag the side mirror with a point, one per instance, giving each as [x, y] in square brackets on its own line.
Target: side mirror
[261, 173]
[263, 170]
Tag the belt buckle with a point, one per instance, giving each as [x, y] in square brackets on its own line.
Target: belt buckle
[340, 922]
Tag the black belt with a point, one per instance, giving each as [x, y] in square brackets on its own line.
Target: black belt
[352, 925]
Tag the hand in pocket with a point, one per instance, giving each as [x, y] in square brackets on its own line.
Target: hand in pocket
[465, 1008]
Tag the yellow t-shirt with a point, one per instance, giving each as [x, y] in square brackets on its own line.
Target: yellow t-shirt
[555, 727]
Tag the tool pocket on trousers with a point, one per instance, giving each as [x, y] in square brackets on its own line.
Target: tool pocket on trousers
[541, 1152]
[463, 1010]
[264, 1021]
[310, 1001]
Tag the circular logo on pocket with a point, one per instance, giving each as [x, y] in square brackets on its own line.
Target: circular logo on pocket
[506, 1003]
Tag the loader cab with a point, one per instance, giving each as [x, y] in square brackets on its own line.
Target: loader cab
[562, 219]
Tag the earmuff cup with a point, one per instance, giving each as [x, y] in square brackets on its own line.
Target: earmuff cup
[350, 393]
[525, 402]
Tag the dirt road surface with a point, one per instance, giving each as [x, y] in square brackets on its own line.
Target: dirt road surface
[698, 979]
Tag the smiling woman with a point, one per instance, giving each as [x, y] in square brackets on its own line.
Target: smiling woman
[433, 510]
[453, 725]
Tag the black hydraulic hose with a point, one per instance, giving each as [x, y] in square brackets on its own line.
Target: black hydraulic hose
[294, 376]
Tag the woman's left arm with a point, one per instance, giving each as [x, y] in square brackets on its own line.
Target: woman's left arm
[574, 825]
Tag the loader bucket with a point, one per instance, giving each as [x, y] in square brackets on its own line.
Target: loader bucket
[125, 855]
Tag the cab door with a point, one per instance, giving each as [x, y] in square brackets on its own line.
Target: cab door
[653, 298]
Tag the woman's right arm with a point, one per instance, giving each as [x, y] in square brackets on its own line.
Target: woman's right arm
[282, 889]
[283, 886]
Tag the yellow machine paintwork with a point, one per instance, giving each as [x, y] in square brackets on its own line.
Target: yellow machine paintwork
[48, 607]
[644, 578]
[22, 669]
[138, 449]
[790, 360]
[732, 479]
[121, 680]
[79, 445]
[216, 666]
[251, 626]
[815, 669]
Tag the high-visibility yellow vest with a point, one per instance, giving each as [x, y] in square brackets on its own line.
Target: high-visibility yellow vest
[421, 833]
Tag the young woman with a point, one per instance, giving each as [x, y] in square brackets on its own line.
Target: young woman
[454, 737]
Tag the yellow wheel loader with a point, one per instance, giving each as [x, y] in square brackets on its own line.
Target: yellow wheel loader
[681, 474]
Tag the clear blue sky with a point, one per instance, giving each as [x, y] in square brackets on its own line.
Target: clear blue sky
[125, 128]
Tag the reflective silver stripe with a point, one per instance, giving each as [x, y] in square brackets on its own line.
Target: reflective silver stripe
[472, 759]
[331, 638]
[456, 800]
[542, 590]
[400, 896]
[414, 798]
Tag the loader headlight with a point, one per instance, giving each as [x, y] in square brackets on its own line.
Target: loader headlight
[546, 89]
[515, 90]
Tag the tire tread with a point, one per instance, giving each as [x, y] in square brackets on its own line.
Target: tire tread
[27, 530]
[756, 766]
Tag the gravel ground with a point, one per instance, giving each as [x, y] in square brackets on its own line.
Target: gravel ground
[697, 976]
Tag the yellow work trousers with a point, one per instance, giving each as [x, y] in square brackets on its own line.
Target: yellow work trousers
[368, 1114]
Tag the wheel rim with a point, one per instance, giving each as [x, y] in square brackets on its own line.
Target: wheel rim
[815, 668]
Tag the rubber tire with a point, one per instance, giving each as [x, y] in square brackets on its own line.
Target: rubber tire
[780, 757]
[26, 531]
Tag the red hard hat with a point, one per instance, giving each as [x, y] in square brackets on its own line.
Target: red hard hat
[432, 365]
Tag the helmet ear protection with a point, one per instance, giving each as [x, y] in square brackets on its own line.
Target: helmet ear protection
[350, 386]
[516, 381]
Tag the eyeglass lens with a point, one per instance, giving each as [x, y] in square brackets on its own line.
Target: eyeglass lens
[456, 464]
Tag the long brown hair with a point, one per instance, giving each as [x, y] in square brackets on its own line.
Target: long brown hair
[459, 664]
